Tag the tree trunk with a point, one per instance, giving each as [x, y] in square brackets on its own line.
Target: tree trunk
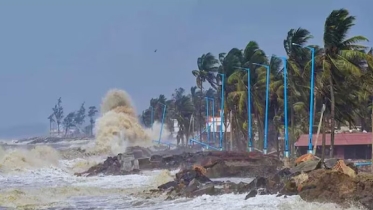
[277, 143]
[323, 139]
[260, 131]
[362, 123]
[332, 116]
[50, 128]
[58, 127]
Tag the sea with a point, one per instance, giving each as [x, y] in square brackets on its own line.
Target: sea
[41, 176]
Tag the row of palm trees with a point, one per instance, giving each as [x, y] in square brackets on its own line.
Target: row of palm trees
[343, 83]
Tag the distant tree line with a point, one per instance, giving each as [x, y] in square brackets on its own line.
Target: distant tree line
[74, 119]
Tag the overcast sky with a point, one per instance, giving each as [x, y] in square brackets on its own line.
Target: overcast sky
[80, 49]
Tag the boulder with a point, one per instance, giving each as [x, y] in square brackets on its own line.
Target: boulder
[208, 189]
[251, 194]
[118, 165]
[330, 163]
[306, 166]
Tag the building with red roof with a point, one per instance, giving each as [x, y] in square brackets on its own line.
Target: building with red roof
[347, 145]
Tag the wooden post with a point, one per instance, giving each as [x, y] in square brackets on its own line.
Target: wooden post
[318, 129]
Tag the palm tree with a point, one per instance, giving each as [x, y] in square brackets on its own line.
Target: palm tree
[207, 68]
[182, 111]
[297, 57]
[51, 120]
[92, 110]
[337, 60]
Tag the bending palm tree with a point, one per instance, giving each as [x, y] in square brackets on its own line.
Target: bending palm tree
[206, 72]
[337, 61]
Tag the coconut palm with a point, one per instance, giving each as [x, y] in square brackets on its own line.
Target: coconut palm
[207, 68]
[337, 60]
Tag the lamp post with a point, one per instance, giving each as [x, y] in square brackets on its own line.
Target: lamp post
[213, 118]
[311, 95]
[163, 116]
[249, 125]
[207, 122]
[286, 152]
[266, 109]
[222, 110]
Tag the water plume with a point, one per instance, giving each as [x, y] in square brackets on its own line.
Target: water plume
[118, 127]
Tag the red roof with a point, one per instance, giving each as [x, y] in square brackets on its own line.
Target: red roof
[339, 139]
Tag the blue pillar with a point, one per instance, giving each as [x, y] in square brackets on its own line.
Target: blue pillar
[207, 117]
[266, 113]
[163, 116]
[222, 111]
[286, 109]
[249, 126]
[311, 100]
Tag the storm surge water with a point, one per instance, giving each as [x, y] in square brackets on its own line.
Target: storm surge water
[21, 159]
[118, 126]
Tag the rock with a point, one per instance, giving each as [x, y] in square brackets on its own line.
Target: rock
[343, 168]
[306, 166]
[156, 158]
[217, 164]
[330, 163]
[352, 166]
[118, 165]
[167, 185]
[186, 176]
[251, 194]
[305, 158]
[208, 189]
[193, 186]
[337, 182]
[337, 187]
[262, 191]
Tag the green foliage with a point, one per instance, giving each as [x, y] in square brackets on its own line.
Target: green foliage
[80, 115]
[58, 113]
[68, 121]
[73, 119]
[343, 81]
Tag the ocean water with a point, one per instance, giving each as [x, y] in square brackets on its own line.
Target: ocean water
[29, 184]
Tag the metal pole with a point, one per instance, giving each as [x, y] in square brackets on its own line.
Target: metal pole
[249, 126]
[286, 109]
[163, 116]
[266, 113]
[207, 120]
[213, 121]
[311, 101]
[222, 111]
[311, 96]
[250, 144]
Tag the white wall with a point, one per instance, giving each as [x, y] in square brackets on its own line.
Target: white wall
[215, 122]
